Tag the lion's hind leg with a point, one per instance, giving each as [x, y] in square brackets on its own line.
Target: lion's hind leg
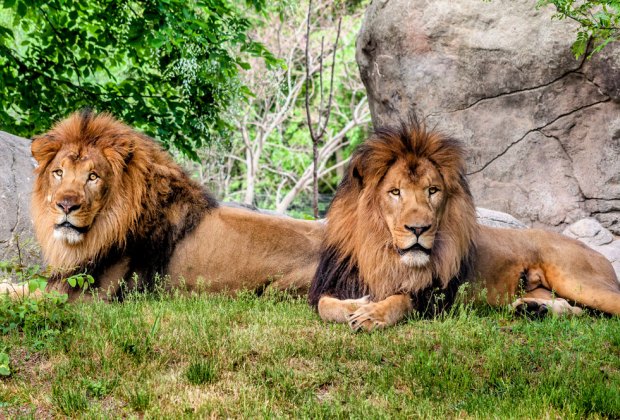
[541, 301]
[337, 310]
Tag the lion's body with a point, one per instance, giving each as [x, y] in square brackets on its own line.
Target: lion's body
[403, 226]
[543, 265]
[109, 201]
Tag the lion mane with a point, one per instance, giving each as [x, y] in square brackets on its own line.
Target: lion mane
[356, 258]
[151, 203]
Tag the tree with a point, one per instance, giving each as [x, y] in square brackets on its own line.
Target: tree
[167, 67]
[268, 160]
[317, 133]
[599, 20]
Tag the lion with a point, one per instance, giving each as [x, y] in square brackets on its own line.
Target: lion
[110, 202]
[402, 227]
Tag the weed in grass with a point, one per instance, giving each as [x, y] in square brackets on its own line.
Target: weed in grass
[135, 337]
[46, 312]
[5, 370]
[139, 399]
[68, 399]
[201, 372]
[99, 388]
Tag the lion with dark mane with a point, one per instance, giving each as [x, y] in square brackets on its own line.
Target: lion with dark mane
[111, 202]
[402, 227]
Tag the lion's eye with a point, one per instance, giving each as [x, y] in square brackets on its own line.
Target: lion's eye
[432, 190]
[395, 191]
[93, 176]
[57, 173]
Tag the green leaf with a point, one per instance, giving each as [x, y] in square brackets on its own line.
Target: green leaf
[36, 284]
[157, 42]
[22, 9]
[5, 32]
[244, 65]
[579, 46]
[72, 281]
[4, 364]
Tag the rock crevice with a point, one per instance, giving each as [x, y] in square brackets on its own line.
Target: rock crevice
[542, 129]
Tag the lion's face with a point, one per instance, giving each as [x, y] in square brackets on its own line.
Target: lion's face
[411, 198]
[77, 191]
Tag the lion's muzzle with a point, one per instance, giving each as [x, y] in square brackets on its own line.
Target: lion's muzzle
[413, 248]
[415, 255]
[68, 232]
[68, 204]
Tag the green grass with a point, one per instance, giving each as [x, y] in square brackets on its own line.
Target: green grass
[272, 357]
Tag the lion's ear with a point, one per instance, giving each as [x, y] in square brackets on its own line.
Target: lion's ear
[356, 170]
[44, 148]
[120, 152]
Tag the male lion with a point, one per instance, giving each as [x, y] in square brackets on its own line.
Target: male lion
[403, 224]
[109, 201]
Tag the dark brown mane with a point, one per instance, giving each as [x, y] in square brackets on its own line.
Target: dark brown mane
[354, 258]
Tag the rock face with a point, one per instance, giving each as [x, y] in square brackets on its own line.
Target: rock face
[16, 166]
[590, 232]
[542, 130]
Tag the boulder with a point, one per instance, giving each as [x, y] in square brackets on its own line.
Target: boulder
[590, 232]
[542, 129]
[16, 176]
[497, 219]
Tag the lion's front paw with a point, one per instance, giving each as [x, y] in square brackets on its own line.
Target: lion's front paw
[368, 317]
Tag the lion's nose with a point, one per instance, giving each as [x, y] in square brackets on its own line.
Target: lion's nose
[417, 230]
[68, 205]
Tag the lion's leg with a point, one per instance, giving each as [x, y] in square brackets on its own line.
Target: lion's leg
[597, 292]
[381, 314]
[337, 310]
[541, 301]
[585, 277]
[17, 291]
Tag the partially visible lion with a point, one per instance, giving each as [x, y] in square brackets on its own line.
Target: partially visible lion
[110, 202]
[403, 226]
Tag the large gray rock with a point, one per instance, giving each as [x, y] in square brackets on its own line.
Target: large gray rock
[542, 129]
[497, 219]
[589, 231]
[16, 166]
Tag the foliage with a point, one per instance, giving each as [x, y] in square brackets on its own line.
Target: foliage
[68, 398]
[80, 280]
[32, 309]
[268, 159]
[201, 372]
[5, 370]
[598, 20]
[275, 358]
[168, 67]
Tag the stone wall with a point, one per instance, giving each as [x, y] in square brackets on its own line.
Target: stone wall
[542, 129]
[16, 166]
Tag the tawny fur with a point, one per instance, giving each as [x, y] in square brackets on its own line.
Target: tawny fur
[146, 216]
[543, 271]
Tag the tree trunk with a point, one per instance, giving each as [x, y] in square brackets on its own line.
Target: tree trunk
[315, 179]
[250, 178]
